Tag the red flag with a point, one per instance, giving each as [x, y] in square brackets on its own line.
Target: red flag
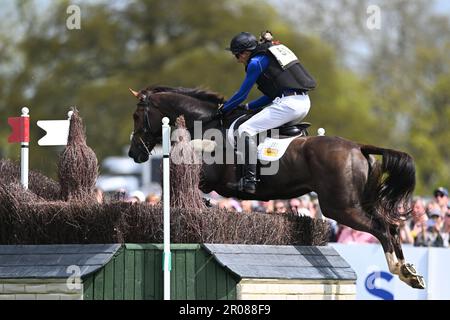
[20, 129]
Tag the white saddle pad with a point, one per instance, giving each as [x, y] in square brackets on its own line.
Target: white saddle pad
[270, 149]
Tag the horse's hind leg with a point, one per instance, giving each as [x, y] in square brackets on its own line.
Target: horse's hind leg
[394, 230]
[357, 219]
[406, 272]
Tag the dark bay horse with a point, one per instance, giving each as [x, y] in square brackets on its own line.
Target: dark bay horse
[353, 187]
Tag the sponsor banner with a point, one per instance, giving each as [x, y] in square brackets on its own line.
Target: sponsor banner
[376, 282]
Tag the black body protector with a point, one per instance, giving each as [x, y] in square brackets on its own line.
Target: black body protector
[283, 73]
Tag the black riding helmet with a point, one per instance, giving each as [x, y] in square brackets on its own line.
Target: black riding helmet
[242, 42]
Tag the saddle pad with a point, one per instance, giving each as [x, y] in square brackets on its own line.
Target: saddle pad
[270, 149]
[273, 149]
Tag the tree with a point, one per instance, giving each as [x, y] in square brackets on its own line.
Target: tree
[406, 63]
[177, 43]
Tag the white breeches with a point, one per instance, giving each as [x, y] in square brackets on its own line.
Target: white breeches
[281, 111]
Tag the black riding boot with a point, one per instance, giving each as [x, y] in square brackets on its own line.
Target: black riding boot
[248, 182]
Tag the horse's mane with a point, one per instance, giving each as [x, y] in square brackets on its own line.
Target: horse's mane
[197, 93]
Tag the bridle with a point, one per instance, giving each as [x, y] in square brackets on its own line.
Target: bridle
[144, 101]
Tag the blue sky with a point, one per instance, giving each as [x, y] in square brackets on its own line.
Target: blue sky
[443, 6]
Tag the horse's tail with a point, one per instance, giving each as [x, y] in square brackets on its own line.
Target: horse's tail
[390, 184]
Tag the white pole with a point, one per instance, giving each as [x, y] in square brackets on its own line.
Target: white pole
[167, 257]
[24, 154]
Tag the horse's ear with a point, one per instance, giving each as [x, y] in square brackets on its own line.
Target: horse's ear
[134, 93]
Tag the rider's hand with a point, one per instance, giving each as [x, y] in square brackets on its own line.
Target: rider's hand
[219, 113]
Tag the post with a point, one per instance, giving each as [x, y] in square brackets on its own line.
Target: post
[167, 257]
[24, 148]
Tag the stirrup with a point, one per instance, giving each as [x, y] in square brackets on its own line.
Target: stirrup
[243, 186]
[237, 185]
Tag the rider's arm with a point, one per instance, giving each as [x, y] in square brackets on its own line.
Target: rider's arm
[260, 102]
[254, 69]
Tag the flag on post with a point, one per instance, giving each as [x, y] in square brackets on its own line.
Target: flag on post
[20, 129]
[21, 134]
[57, 132]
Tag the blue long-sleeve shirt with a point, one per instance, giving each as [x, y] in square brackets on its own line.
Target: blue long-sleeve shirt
[255, 67]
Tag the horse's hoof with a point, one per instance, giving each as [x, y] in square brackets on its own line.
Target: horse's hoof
[408, 270]
[417, 282]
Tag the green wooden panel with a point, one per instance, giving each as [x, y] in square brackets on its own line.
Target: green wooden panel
[139, 275]
[98, 285]
[88, 288]
[200, 278]
[129, 275]
[221, 281]
[119, 273]
[195, 274]
[149, 274]
[180, 275]
[231, 287]
[173, 282]
[109, 281]
[173, 246]
[159, 281]
[190, 274]
[211, 279]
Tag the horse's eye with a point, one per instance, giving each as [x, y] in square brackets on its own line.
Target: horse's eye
[135, 117]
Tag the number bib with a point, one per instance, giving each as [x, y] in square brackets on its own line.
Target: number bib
[284, 55]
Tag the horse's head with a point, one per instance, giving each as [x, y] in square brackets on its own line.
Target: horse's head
[147, 127]
[158, 102]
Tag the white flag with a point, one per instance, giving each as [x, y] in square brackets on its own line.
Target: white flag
[57, 132]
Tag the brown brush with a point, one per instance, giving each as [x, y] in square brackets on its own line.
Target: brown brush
[77, 166]
[60, 222]
[185, 170]
[39, 184]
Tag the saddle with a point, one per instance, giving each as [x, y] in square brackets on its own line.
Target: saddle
[287, 130]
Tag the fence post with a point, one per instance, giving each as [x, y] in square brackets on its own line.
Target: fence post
[24, 148]
[167, 257]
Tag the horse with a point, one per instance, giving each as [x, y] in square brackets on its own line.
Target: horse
[353, 187]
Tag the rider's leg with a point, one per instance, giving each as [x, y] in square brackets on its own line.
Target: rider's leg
[248, 157]
[276, 114]
[251, 150]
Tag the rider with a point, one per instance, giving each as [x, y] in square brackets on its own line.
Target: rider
[283, 81]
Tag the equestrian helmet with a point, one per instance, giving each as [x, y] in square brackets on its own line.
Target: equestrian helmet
[243, 41]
